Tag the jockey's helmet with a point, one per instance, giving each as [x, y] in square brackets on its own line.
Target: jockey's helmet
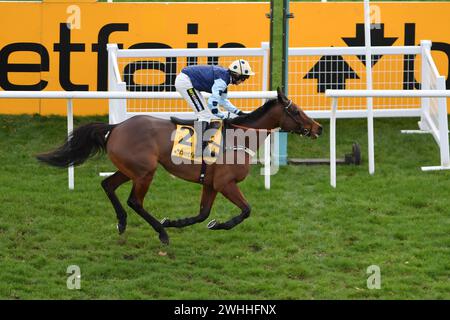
[240, 71]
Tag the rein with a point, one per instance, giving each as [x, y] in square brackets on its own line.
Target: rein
[286, 109]
[248, 128]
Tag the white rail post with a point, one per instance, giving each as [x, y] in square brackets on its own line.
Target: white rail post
[117, 108]
[443, 125]
[265, 85]
[265, 67]
[368, 44]
[425, 48]
[112, 54]
[69, 131]
[267, 162]
[333, 143]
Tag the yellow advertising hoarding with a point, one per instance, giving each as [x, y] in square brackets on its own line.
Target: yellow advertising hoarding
[76, 59]
[39, 52]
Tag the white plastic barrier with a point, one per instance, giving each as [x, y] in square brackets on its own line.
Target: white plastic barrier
[313, 70]
[397, 67]
[440, 131]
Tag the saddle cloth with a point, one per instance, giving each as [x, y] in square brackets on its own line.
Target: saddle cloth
[186, 140]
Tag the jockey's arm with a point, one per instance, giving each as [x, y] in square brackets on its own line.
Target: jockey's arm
[219, 97]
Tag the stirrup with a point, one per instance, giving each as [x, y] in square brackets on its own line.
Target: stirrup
[200, 144]
[203, 144]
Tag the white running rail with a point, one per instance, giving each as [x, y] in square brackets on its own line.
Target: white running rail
[440, 130]
[311, 69]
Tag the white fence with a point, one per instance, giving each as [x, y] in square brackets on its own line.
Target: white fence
[431, 108]
[311, 72]
[308, 83]
[431, 119]
[154, 71]
[438, 120]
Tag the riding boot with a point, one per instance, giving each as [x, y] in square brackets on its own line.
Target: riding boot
[201, 144]
[205, 126]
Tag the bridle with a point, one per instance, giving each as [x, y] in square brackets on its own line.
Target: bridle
[303, 131]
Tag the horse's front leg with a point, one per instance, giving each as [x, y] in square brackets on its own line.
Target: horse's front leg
[231, 192]
[208, 196]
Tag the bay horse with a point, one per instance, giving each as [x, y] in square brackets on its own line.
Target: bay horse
[136, 146]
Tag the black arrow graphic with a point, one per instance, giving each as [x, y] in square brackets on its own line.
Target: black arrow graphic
[377, 38]
[331, 73]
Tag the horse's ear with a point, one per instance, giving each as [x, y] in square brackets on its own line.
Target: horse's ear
[281, 97]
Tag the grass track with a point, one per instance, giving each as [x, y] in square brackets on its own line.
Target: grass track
[303, 240]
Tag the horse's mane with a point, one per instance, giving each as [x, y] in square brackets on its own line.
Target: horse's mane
[255, 114]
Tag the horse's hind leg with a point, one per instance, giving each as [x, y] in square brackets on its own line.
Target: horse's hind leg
[136, 202]
[208, 196]
[232, 193]
[110, 184]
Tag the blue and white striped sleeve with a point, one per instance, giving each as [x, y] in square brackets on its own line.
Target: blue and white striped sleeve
[228, 105]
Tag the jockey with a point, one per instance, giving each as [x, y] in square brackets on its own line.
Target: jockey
[215, 80]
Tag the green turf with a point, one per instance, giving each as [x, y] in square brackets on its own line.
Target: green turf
[304, 240]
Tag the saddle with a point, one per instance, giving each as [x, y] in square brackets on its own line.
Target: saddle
[186, 141]
[214, 124]
[183, 122]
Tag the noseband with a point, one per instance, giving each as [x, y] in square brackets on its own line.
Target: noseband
[303, 131]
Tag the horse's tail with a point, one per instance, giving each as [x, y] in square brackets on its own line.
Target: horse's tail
[83, 143]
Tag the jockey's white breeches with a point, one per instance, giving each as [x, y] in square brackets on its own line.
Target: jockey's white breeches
[193, 97]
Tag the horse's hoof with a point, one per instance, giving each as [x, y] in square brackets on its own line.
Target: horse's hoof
[212, 224]
[121, 228]
[165, 222]
[164, 238]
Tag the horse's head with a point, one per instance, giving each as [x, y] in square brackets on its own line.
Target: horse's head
[295, 120]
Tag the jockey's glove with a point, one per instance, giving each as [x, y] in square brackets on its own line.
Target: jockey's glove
[221, 115]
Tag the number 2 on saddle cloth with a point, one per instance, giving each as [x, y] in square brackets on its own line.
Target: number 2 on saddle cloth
[185, 142]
